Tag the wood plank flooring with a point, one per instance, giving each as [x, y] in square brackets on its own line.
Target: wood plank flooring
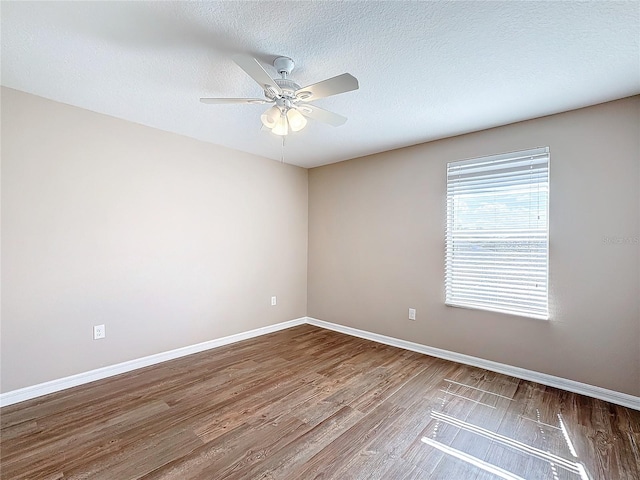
[307, 403]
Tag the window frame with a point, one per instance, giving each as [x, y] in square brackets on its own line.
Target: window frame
[506, 276]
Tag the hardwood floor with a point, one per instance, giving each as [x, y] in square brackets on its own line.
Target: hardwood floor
[308, 403]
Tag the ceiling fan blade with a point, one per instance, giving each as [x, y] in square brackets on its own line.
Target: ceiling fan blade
[258, 73]
[224, 101]
[332, 86]
[321, 115]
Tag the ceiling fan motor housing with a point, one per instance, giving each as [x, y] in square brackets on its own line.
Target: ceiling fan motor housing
[289, 88]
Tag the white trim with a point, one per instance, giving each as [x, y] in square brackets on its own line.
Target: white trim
[52, 386]
[612, 396]
[45, 388]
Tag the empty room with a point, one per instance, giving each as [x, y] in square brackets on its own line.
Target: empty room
[320, 240]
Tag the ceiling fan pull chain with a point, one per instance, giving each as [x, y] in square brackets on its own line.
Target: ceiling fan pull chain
[282, 155]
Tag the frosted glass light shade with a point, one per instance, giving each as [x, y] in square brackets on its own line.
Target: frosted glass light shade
[296, 120]
[282, 126]
[270, 117]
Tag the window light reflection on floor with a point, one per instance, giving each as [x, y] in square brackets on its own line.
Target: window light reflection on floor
[554, 461]
[475, 461]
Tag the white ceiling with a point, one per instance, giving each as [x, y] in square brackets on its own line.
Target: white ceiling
[427, 70]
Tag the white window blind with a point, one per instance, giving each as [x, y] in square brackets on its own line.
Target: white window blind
[497, 235]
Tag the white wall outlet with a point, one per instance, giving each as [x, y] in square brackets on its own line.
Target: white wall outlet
[274, 301]
[412, 314]
[99, 332]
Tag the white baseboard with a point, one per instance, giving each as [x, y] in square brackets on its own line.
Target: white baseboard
[612, 396]
[45, 388]
[52, 386]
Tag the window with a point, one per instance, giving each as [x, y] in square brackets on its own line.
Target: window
[497, 255]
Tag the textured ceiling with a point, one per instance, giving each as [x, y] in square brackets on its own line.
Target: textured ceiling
[427, 70]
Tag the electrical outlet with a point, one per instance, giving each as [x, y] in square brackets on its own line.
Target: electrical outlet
[99, 332]
[274, 301]
[412, 314]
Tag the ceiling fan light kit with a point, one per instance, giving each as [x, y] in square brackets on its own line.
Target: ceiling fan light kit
[291, 108]
[296, 120]
[271, 117]
[281, 127]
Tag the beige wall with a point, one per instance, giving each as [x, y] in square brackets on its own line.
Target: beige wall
[166, 240]
[171, 242]
[376, 247]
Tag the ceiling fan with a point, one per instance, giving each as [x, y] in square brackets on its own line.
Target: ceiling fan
[290, 100]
